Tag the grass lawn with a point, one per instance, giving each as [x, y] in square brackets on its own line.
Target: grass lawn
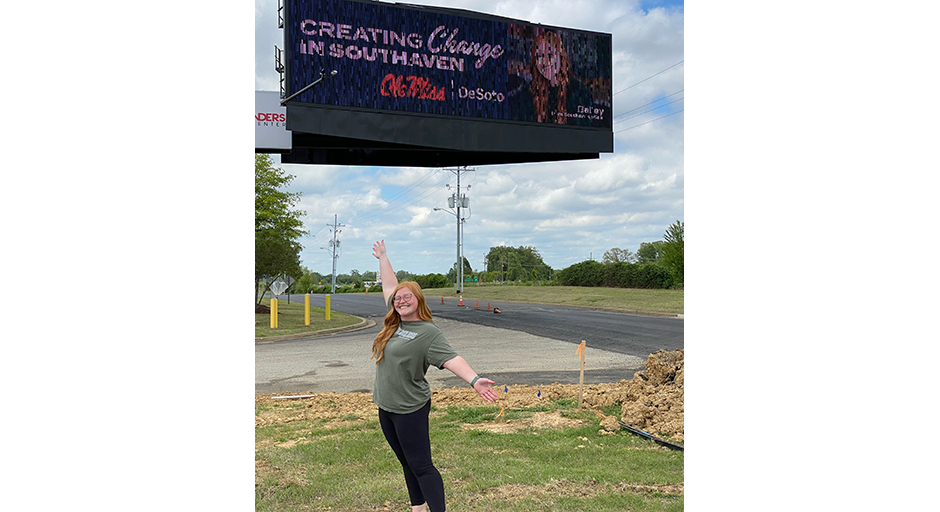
[633, 300]
[344, 463]
[290, 319]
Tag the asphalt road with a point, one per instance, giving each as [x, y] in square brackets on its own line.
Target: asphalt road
[525, 344]
[636, 335]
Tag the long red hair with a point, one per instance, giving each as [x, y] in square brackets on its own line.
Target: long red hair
[393, 319]
[542, 85]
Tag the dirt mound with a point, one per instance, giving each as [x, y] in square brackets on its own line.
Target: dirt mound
[655, 398]
[261, 308]
[652, 401]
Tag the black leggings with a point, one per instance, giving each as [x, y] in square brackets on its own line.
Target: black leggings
[408, 436]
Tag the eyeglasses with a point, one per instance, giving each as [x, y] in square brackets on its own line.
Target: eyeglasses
[403, 297]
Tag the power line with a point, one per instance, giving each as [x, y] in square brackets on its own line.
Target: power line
[369, 211]
[647, 104]
[650, 121]
[651, 76]
[650, 110]
[392, 208]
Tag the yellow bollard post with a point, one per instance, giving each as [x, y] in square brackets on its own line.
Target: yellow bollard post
[327, 306]
[274, 313]
[307, 309]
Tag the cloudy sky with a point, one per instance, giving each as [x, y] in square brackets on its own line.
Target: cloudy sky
[569, 211]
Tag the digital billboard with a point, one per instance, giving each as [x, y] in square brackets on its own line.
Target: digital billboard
[445, 78]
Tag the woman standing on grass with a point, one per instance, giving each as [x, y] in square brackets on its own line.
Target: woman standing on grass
[403, 351]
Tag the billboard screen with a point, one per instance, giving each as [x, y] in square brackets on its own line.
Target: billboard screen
[443, 62]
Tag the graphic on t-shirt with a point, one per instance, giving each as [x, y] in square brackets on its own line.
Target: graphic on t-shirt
[405, 334]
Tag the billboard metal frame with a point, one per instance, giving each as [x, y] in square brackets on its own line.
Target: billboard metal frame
[351, 135]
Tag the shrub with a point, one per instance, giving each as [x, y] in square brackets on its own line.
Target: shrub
[432, 281]
[586, 273]
[616, 275]
[654, 275]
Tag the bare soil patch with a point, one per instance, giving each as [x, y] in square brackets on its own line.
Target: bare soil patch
[552, 420]
[653, 401]
[548, 493]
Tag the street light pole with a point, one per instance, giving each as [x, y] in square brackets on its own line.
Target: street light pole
[458, 202]
[334, 244]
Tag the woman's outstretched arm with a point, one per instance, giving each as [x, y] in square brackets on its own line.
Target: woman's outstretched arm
[461, 368]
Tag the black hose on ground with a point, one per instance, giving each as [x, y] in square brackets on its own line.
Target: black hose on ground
[651, 437]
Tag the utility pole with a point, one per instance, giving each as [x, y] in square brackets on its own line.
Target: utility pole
[334, 244]
[459, 202]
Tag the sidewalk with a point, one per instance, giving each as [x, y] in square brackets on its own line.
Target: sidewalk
[341, 362]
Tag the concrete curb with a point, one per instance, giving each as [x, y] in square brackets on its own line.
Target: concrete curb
[364, 324]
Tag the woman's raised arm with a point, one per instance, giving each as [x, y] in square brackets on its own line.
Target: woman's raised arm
[389, 281]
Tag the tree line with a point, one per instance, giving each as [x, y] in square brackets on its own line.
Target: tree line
[278, 229]
[656, 264]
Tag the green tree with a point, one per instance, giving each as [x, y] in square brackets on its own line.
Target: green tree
[355, 275]
[673, 251]
[618, 255]
[649, 252]
[499, 259]
[278, 226]
[452, 273]
[516, 263]
[304, 284]
[433, 280]
[315, 277]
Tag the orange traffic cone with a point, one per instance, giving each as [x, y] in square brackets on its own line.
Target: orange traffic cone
[442, 300]
[478, 302]
[461, 300]
[488, 306]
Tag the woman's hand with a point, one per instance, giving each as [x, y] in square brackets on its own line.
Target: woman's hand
[378, 250]
[482, 387]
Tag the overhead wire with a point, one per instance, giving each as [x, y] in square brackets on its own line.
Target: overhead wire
[402, 192]
[650, 110]
[649, 104]
[651, 76]
[650, 121]
[393, 207]
[389, 207]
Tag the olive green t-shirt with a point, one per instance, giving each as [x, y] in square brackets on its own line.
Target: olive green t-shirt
[400, 386]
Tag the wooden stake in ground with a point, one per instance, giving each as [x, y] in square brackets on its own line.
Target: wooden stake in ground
[580, 353]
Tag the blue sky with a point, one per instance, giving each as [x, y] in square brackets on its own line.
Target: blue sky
[569, 211]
